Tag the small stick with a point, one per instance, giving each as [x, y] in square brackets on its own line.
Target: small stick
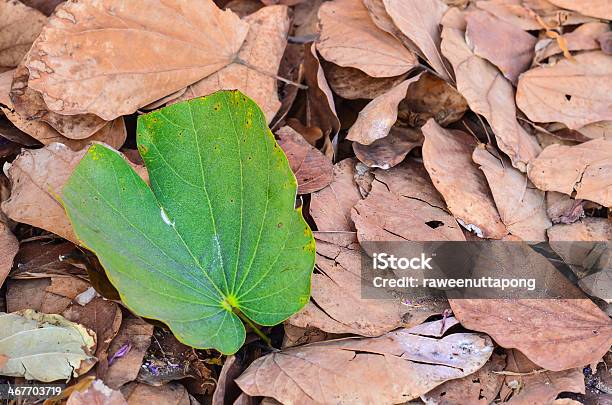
[272, 75]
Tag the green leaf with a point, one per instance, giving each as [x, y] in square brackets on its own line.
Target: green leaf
[216, 235]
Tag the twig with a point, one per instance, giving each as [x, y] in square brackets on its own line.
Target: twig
[272, 75]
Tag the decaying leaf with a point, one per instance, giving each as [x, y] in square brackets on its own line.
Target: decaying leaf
[49, 295]
[97, 393]
[352, 83]
[377, 118]
[593, 8]
[393, 368]
[349, 38]
[447, 155]
[585, 169]
[503, 44]
[9, 246]
[521, 206]
[83, 60]
[583, 38]
[390, 150]
[575, 93]
[44, 347]
[312, 169]
[562, 209]
[169, 394]
[490, 94]
[20, 27]
[556, 334]
[419, 20]
[262, 51]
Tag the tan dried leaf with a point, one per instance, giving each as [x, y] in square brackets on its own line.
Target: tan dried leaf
[172, 393]
[561, 208]
[393, 368]
[419, 20]
[262, 52]
[505, 45]
[447, 155]
[376, 119]
[592, 8]
[490, 94]
[556, 334]
[391, 150]
[96, 394]
[521, 206]
[583, 38]
[9, 246]
[352, 84]
[585, 168]
[19, 27]
[83, 60]
[349, 38]
[49, 295]
[312, 169]
[575, 93]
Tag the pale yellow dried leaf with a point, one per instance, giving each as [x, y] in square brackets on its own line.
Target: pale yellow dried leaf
[84, 60]
[349, 38]
[19, 27]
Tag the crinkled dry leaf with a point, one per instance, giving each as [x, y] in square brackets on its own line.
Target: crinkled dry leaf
[20, 25]
[593, 8]
[562, 209]
[352, 84]
[393, 368]
[505, 45]
[556, 334]
[97, 393]
[377, 118]
[312, 169]
[349, 38]
[583, 38]
[488, 93]
[44, 347]
[83, 61]
[575, 93]
[9, 246]
[338, 305]
[447, 155]
[263, 50]
[419, 20]
[390, 150]
[585, 168]
[521, 206]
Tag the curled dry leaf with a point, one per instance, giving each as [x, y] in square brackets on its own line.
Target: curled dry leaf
[262, 52]
[556, 334]
[585, 168]
[352, 84]
[583, 38]
[377, 118]
[403, 205]
[9, 246]
[97, 393]
[447, 155]
[390, 150]
[337, 304]
[226, 390]
[312, 169]
[505, 45]
[562, 209]
[431, 97]
[83, 60]
[20, 27]
[419, 20]
[331, 207]
[592, 8]
[393, 368]
[575, 93]
[349, 38]
[44, 6]
[488, 93]
[521, 206]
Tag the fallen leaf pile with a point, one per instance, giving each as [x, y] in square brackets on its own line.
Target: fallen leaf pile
[402, 120]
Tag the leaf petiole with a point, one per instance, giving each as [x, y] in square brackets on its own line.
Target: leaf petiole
[253, 326]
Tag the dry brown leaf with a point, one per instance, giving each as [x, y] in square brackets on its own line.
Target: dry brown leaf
[419, 20]
[556, 334]
[583, 38]
[49, 295]
[349, 38]
[403, 205]
[9, 246]
[505, 45]
[592, 8]
[390, 150]
[585, 168]
[521, 206]
[96, 394]
[19, 27]
[137, 334]
[431, 97]
[331, 207]
[447, 155]
[44, 6]
[490, 94]
[605, 41]
[562, 209]
[390, 369]
[338, 305]
[226, 390]
[383, 20]
[312, 169]
[588, 229]
[83, 60]
[480, 388]
[575, 93]
[262, 51]
[169, 394]
[537, 386]
[376, 119]
[352, 84]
